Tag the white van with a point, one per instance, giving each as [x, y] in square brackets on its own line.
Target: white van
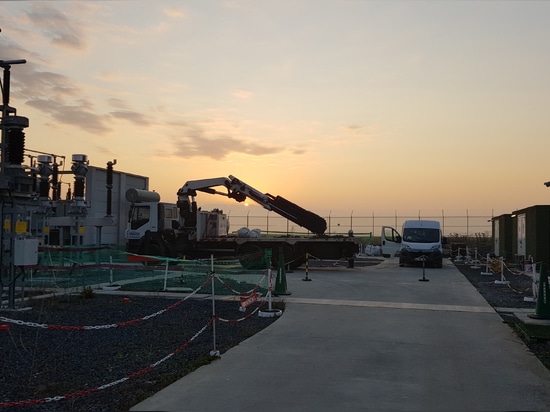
[421, 239]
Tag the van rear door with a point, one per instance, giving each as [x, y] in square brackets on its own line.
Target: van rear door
[391, 241]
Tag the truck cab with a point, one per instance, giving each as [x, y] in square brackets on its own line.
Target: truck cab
[420, 240]
[154, 217]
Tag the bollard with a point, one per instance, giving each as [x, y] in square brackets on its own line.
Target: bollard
[307, 279]
[423, 259]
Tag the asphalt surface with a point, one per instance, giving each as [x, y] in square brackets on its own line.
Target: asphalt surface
[372, 338]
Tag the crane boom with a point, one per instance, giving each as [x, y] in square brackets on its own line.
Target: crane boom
[239, 190]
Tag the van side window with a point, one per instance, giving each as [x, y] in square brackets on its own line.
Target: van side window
[391, 235]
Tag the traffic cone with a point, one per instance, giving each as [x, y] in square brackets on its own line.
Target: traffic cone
[542, 309]
[280, 280]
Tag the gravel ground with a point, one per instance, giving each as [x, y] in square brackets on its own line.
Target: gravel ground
[40, 363]
[509, 296]
[500, 296]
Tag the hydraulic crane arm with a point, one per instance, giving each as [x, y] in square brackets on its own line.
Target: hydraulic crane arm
[238, 190]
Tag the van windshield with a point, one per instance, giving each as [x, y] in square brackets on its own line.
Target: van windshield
[421, 235]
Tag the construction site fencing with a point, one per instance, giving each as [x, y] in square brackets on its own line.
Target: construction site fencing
[250, 305]
[73, 269]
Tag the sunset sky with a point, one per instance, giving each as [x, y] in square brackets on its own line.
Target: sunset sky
[337, 105]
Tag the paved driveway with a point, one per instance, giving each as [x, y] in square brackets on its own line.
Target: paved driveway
[371, 338]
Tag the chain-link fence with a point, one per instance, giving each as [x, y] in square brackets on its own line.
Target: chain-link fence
[463, 223]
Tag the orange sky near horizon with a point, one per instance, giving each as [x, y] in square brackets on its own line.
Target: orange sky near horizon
[341, 107]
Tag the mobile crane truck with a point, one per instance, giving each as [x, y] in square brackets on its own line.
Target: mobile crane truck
[183, 230]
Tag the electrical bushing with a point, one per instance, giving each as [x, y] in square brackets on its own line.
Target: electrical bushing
[45, 170]
[109, 186]
[15, 138]
[79, 169]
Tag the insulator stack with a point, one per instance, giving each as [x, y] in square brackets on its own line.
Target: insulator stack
[56, 192]
[78, 188]
[110, 186]
[79, 169]
[44, 189]
[45, 170]
[15, 139]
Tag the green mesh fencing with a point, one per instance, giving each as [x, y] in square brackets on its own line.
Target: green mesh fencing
[71, 269]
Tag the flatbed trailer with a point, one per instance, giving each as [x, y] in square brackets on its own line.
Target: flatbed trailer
[183, 230]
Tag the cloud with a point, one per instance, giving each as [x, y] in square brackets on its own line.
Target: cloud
[132, 116]
[194, 143]
[174, 13]
[58, 96]
[55, 94]
[117, 103]
[56, 26]
[125, 113]
[74, 115]
[299, 151]
[67, 102]
[52, 93]
[33, 83]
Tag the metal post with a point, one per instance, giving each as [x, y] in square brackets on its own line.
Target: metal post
[214, 351]
[11, 278]
[165, 275]
[487, 272]
[502, 280]
[270, 290]
[423, 258]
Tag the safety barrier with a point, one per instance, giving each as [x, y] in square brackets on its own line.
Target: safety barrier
[534, 283]
[72, 269]
[251, 296]
[498, 266]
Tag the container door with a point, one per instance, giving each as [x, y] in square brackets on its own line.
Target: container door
[391, 241]
[522, 248]
[496, 236]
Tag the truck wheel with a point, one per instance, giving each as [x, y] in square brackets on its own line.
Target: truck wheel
[155, 250]
[251, 257]
[151, 249]
[294, 257]
[299, 260]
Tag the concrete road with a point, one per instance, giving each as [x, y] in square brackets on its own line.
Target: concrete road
[372, 338]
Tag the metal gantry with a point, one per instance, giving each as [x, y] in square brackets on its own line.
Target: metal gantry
[25, 203]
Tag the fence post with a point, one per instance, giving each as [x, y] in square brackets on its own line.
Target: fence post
[214, 351]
